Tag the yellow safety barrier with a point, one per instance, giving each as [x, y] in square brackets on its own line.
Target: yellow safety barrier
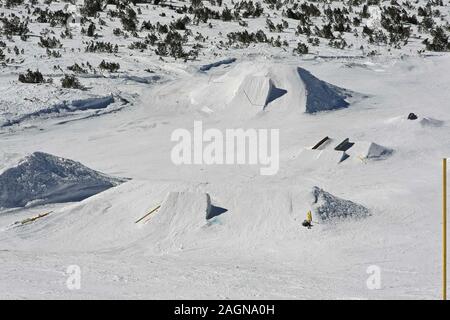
[444, 229]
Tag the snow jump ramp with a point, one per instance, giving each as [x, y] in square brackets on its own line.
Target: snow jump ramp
[257, 91]
[183, 210]
[107, 220]
[250, 88]
[321, 95]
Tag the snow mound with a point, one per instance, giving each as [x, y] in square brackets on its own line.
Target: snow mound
[369, 150]
[62, 108]
[181, 220]
[92, 103]
[209, 66]
[430, 122]
[246, 89]
[41, 178]
[183, 211]
[327, 206]
[138, 79]
[322, 96]
[425, 122]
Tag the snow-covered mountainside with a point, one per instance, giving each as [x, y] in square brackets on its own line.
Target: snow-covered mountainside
[352, 95]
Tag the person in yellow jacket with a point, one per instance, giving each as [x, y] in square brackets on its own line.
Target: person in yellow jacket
[308, 222]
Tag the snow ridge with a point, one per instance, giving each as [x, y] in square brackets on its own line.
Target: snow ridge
[76, 105]
[42, 178]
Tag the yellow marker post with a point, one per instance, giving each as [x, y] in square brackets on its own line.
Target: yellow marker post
[444, 229]
[309, 217]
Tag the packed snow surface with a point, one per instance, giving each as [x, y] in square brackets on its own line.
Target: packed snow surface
[250, 242]
[252, 228]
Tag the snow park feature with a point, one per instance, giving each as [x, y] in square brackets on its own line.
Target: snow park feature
[247, 89]
[413, 121]
[364, 150]
[181, 218]
[325, 153]
[110, 88]
[171, 201]
[259, 91]
[329, 207]
[322, 143]
[322, 96]
[41, 178]
[344, 145]
[32, 219]
[145, 218]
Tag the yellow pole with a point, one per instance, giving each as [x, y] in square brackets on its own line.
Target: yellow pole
[444, 230]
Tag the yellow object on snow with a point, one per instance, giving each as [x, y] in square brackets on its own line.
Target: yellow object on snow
[309, 216]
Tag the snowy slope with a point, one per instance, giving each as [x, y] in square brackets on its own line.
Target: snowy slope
[263, 214]
[225, 231]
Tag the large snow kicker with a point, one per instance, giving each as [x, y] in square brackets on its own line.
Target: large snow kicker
[249, 88]
[259, 91]
[183, 212]
[320, 95]
[42, 178]
[327, 206]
